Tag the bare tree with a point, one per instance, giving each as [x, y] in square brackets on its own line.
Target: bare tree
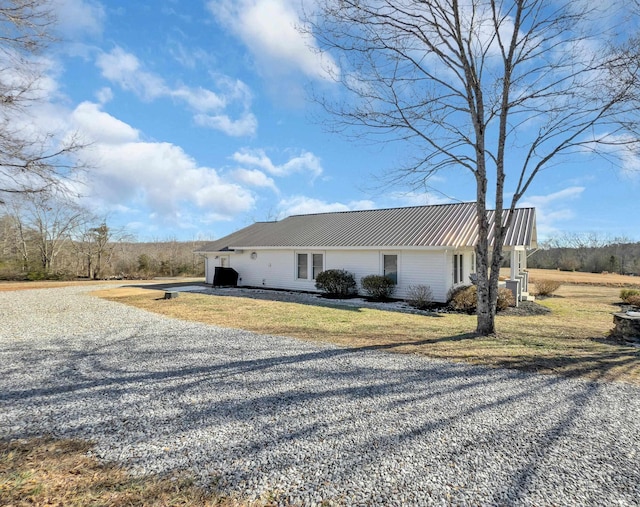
[46, 224]
[499, 88]
[95, 245]
[31, 160]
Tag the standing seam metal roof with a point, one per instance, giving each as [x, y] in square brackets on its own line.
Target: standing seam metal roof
[445, 225]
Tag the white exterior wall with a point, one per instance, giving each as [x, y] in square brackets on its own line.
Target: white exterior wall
[277, 269]
[424, 268]
[467, 266]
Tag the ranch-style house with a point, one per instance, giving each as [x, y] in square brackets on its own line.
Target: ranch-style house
[419, 245]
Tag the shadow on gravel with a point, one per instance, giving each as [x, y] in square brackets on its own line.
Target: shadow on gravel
[160, 399]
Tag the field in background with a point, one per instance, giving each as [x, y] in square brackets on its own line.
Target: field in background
[575, 277]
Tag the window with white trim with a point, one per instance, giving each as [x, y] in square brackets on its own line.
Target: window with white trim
[303, 268]
[458, 268]
[309, 264]
[390, 266]
[318, 264]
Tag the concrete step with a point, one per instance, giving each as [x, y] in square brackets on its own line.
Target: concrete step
[525, 296]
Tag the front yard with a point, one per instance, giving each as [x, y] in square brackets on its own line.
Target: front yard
[570, 341]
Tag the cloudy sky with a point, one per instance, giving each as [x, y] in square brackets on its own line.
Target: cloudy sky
[200, 124]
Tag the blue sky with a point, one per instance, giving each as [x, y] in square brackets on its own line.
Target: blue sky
[200, 124]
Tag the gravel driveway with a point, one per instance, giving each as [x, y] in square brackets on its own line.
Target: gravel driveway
[310, 423]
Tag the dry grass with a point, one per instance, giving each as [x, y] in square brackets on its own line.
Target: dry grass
[570, 341]
[574, 277]
[43, 471]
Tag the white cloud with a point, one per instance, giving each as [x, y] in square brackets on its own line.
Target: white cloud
[553, 208]
[104, 95]
[417, 198]
[158, 177]
[254, 178]
[270, 29]
[302, 205]
[210, 108]
[98, 126]
[547, 200]
[79, 16]
[125, 69]
[305, 163]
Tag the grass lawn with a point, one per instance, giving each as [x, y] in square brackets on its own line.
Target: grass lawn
[570, 341]
[43, 471]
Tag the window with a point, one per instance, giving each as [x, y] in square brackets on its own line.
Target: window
[309, 264]
[390, 263]
[303, 269]
[317, 264]
[458, 268]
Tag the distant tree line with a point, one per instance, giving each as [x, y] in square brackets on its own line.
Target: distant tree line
[43, 236]
[588, 253]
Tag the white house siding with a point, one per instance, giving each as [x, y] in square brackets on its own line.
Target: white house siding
[277, 268]
[359, 262]
[423, 268]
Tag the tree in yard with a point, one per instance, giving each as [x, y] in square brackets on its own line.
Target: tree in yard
[46, 224]
[500, 88]
[31, 160]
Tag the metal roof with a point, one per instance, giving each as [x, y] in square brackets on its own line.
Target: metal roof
[445, 225]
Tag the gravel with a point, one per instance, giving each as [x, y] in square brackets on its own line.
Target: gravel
[308, 424]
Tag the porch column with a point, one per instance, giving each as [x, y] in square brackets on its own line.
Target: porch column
[515, 264]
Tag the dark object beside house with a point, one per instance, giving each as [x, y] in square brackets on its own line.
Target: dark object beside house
[225, 277]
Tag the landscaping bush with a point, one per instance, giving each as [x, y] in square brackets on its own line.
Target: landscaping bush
[625, 294]
[464, 298]
[336, 282]
[634, 300]
[378, 286]
[546, 287]
[419, 296]
[505, 299]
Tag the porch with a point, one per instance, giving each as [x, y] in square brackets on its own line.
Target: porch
[518, 282]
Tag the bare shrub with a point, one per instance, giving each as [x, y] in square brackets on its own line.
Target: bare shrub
[420, 296]
[546, 287]
[634, 300]
[505, 299]
[464, 299]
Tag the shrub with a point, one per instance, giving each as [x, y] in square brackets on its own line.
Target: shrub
[453, 291]
[378, 286]
[419, 296]
[546, 287]
[336, 282]
[464, 298]
[634, 300]
[505, 299]
[625, 294]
